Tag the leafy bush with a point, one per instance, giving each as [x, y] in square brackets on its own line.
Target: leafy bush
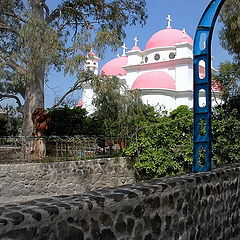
[10, 122]
[163, 147]
[226, 132]
[73, 121]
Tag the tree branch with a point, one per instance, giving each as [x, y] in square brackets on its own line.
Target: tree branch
[45, 6]
[83, 77]
[62, 26]
[11, 63]
[12, 14]
[55, 14]
[20, 106]
[75, 87]
[8, 28]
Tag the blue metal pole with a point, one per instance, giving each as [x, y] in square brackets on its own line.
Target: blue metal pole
[202, 149]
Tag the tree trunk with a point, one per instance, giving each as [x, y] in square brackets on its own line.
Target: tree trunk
[35, 145]
[34, 98]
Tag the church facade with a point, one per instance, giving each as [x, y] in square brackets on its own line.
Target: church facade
[163, 70]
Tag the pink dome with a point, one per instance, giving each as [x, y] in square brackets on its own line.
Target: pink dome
[136, 48]
[114, 67]
[168, 37]
[154, 79]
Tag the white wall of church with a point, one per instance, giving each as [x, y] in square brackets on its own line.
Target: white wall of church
[87, 99]
[156, 100]
[184, 50]
[134, 57]
[190, 76]
[162, 52]
[131, 77]
[186, 99]
[182, 81]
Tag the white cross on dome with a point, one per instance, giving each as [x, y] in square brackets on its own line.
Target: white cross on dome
[124, 49]
[135, 41]
[184, 33]
[169, 21]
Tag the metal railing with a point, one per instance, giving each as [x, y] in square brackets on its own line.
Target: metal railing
[54, 148]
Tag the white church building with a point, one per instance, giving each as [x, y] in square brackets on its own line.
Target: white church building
[163, 70]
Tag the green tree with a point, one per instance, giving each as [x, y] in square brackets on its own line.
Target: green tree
[35, 39]
[226, 127]
[133, 113]
[229, 34]
[164, 146]
[73, 121]
[226, 132]
[108, 101]
[228, 78]
[120, 109]
[10, 122]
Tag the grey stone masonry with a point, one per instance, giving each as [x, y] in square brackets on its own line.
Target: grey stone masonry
[203, 206]
[21, 182]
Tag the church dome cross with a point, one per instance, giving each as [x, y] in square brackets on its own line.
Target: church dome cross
[169, 21]
[124, 49]
[135, 41]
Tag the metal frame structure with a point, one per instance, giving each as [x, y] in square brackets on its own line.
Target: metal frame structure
[202, 136]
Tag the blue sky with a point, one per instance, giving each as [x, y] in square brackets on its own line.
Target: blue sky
[184, 13]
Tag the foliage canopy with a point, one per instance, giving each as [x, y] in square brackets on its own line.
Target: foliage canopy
[229, 34]
[35, 39]
[10, 122]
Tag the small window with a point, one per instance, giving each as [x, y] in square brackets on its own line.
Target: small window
[88, 63]
[202, 99]
[202, 69]
[157, 57]
[94, 63]
[146, 59]
[172, 55]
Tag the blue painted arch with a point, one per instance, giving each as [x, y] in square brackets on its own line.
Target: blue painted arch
[202, 140]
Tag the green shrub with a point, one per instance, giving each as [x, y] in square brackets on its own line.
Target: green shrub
[10, 122]
[73, 121]
[163, 147]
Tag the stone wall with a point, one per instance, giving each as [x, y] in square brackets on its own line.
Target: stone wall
[201, 206]
[20, 182]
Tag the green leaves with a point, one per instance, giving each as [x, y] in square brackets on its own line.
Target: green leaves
[10, 122]
[226, 124]
[226, 132]
[35, 39]
[73, 121]
[164, 146]
[228, 77]
[121, 109]
[229, 34]
[40, 45]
